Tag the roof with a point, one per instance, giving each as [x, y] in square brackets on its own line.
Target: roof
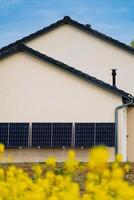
[67, 20]
[74, 71]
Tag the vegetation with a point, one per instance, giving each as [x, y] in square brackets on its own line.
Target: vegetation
[48, 182]
[132, 43]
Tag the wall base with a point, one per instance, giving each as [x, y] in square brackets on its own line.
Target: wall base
[40, 155]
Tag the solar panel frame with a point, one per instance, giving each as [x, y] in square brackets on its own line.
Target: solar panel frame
[41, 134]
[18, 134]
[62, 134]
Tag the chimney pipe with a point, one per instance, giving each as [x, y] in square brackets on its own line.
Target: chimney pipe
[114, 77]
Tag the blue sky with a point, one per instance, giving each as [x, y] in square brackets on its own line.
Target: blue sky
[19, 18]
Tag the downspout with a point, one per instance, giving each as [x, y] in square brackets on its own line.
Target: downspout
[131, 100]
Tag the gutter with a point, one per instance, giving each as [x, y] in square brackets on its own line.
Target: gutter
[131, 100]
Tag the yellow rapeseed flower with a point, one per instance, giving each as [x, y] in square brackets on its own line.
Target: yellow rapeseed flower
[119, 158]
[98, 158]
[37, 170]
[51, 162]
[1, 148]
[102, 181]
[71, 165]
[127, 168]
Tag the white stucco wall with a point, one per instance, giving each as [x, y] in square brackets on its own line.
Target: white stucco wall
[87, 53]
[17, 155]
[33, 90]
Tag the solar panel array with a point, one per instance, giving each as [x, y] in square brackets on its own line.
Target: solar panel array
[57, 134]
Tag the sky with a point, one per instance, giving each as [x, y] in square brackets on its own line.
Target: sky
[19, 18]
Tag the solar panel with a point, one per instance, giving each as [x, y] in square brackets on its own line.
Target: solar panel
[18, 134]
[84, 134]
[62, 134]
[4, 133]
[41, 134]
[91, 134]
[105, 134]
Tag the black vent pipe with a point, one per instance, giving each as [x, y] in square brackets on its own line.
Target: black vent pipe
[114, 77]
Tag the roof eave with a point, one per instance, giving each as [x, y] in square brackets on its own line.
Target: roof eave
[78, 73]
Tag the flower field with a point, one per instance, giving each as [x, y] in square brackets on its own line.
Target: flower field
[94, 180]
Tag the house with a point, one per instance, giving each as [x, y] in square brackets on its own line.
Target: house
[57, 93]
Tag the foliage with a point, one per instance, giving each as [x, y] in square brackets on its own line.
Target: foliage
[103, 181]
[132, 43]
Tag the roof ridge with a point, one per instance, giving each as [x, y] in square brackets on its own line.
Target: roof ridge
[68, 20]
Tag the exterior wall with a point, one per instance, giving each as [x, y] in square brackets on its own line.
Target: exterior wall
[32, 90]
[35, 91]
[40, 155]
[130, 134]
[87, 53]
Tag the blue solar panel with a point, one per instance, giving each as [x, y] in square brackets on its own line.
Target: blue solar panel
[84, 134]
[92, 134]
[62, 134]
[105, 134]
[41, 134]
[18, 134]
[57, 134]
[4, 133]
